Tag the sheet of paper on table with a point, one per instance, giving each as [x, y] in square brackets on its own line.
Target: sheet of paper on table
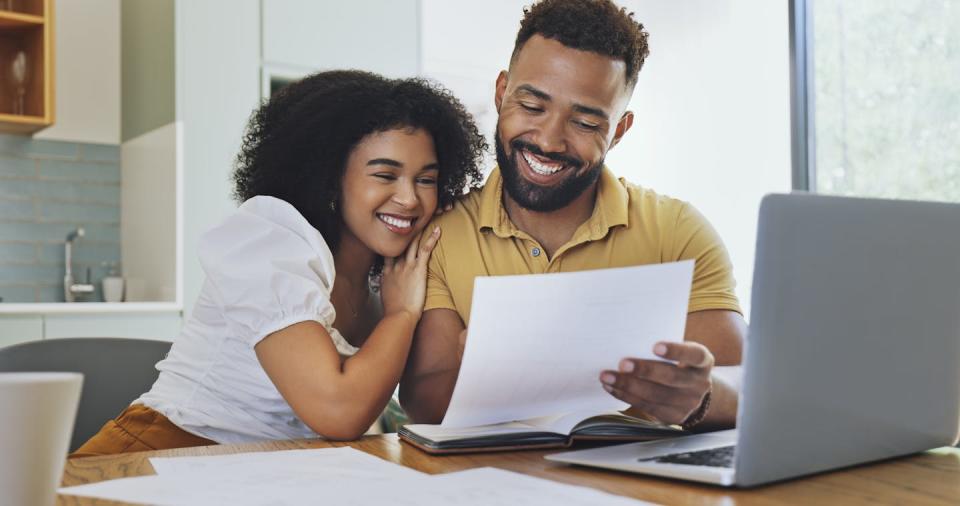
[536, 343]
[342, 476]
[342, 464]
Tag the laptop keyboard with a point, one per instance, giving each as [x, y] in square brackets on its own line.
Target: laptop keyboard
[714, 457]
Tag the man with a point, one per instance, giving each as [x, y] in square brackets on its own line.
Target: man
[552, 206]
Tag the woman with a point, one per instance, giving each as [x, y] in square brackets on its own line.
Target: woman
[315, 284]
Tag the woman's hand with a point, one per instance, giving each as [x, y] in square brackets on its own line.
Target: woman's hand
[404, 284]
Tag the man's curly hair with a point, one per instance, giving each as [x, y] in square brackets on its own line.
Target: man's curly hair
[296, 145]
[598, 26]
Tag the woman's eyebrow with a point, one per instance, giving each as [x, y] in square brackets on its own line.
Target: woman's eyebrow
[385, 161]
[431, 166]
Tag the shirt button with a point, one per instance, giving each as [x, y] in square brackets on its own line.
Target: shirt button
[535, 252]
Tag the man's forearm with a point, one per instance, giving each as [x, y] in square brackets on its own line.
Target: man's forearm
[425, 398]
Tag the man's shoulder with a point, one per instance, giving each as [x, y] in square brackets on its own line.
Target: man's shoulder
[465, 212]
[646, 203]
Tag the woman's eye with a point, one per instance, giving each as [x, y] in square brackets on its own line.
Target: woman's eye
[385, 176]
[427, 181]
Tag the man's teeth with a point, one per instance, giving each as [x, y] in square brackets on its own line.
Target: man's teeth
[541, 168]
[396, 222]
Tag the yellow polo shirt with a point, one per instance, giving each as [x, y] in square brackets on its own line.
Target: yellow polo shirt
[630, 225]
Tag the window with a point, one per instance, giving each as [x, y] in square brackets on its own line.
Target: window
[877, 98]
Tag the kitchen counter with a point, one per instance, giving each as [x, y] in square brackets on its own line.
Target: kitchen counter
[89, 307]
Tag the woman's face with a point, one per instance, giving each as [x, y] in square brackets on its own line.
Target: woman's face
[390, 189]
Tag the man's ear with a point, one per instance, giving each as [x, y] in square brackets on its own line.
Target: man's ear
[500, 89]
[626, 121]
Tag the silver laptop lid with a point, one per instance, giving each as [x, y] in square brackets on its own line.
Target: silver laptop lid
[853, 352]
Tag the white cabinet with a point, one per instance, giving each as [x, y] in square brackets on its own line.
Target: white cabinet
[87, 70]
[377, 35]
[52, 321]
[20, 328]
[159, 326]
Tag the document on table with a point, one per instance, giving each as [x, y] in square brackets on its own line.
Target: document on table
[340, 464]
[284, 478]
[536, 343]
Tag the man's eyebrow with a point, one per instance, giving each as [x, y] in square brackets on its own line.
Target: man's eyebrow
[542, 95]
[580, 108]
[592, 111]
[385, 161]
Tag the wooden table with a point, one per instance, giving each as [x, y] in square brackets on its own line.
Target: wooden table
[929, 478]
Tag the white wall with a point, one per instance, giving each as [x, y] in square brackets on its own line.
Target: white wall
[150, 215]
[711, 104]
[376, 35]
[217, 81]
[86, 72]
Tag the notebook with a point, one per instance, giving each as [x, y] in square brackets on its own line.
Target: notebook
[559, 431]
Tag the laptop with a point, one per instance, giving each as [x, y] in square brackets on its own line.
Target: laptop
[853, 352]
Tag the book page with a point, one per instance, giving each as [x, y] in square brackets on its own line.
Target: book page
[440, 434]
[537, 343]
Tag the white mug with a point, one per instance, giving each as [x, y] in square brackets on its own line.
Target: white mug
[37, 412]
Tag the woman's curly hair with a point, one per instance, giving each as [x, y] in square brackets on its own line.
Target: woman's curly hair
[296, 145]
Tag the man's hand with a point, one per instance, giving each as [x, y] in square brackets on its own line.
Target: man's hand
[671, 392]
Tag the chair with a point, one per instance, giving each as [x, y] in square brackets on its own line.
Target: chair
[115, 372]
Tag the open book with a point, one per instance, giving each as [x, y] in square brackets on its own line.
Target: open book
[543, 432]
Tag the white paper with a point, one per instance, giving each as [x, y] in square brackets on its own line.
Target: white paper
[281, 481]
[257, 478]
[474, 487]
[342, 464]
[537, 343]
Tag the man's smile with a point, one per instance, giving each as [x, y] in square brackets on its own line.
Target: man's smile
[538, 165]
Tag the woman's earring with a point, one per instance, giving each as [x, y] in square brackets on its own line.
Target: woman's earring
[333, 205]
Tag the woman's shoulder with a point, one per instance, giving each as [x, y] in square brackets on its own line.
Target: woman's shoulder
[264, 229]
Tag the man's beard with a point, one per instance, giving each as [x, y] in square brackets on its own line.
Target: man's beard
[539, 198]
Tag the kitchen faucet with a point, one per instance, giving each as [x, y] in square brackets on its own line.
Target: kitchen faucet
[71, 289]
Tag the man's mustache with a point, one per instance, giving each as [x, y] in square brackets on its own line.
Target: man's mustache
[517, 144]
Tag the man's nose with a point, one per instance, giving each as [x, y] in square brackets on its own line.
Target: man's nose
[552, 135]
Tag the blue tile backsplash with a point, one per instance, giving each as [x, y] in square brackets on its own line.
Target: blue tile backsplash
[48, 189]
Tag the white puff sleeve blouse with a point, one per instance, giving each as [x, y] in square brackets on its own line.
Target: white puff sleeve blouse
[266, 268]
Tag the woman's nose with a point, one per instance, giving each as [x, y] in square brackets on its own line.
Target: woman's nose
[406, 195]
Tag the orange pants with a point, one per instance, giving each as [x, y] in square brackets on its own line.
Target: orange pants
[138, 429]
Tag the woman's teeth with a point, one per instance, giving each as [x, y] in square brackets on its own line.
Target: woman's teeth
[396, 222]
[541, 168]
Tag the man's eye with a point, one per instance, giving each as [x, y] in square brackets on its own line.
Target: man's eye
[586, 125]
[531, 107]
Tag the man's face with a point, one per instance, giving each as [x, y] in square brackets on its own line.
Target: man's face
[560, 111]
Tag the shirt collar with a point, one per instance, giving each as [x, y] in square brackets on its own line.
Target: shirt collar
[610, 209]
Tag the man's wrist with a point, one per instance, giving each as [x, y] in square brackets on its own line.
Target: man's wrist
[697, 416]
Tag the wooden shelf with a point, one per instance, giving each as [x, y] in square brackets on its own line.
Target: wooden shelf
[19, 124]
[13, 19]
[29, 31]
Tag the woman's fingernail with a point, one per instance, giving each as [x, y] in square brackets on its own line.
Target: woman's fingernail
[436, 230]
[660, 349]
[626, 365]
[608, 388]
[608, 378]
